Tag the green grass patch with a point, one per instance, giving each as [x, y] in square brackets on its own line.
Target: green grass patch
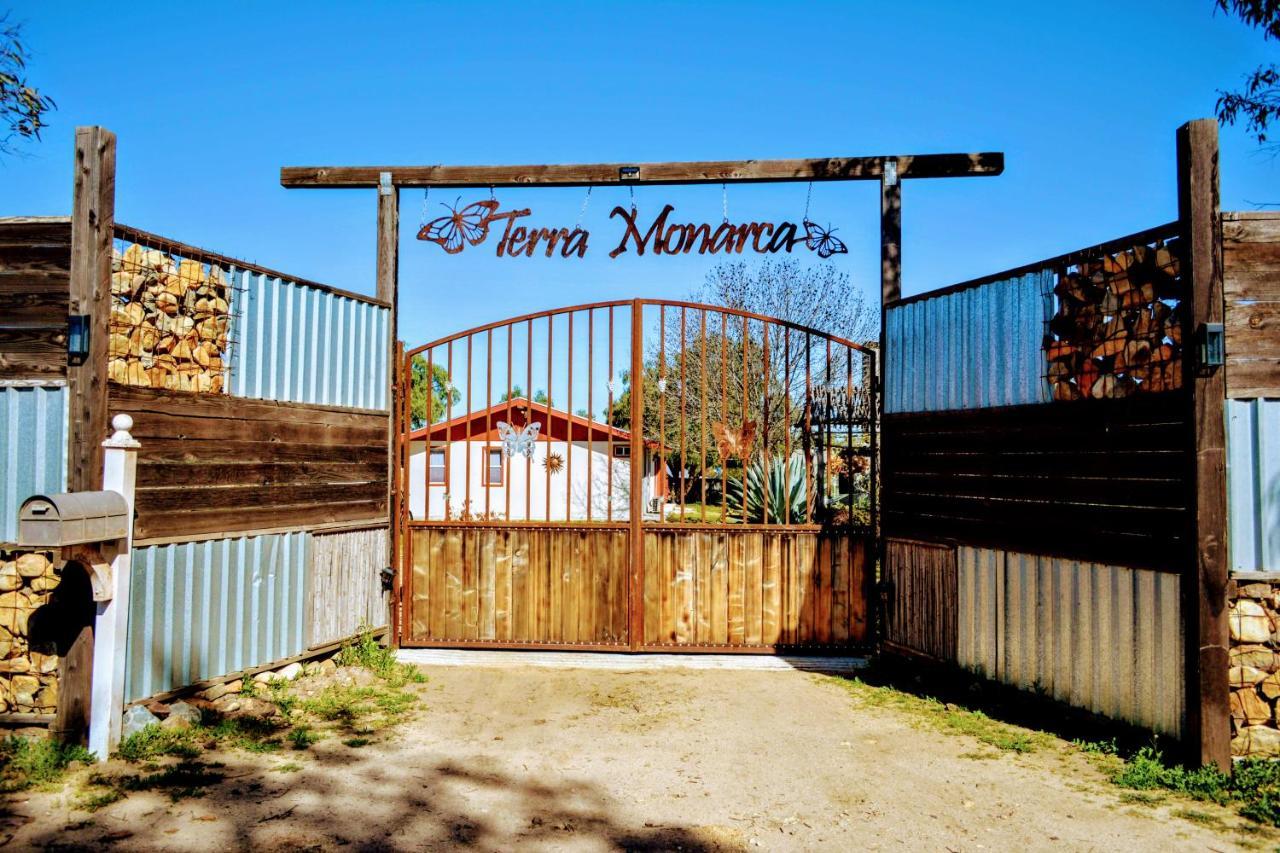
[35, 762]
[303, 736]
[357, 742]
[92, 802]
[1196, 816]
[693, 513]
[947, 717]
[287, 767]
[180, 781]
[367, 652]
[153, 741]
[252, 734]
[1252, 789]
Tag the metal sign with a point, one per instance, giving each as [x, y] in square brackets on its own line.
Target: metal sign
[471, 225]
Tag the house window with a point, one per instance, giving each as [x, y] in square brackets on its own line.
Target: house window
[493, 467]
[435, 468]
[622, 451]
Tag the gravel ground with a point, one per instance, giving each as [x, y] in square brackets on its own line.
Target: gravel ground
[540, 759]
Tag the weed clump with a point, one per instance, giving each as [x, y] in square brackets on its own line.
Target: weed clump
[36, 762]
[1253, 786]
[367, 652]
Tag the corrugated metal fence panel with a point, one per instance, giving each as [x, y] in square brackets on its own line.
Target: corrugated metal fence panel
[1253, 484]
[301, 344]
[1107, 639]
[199, 610]
[971, 349]
[346, 584]
[33, 448]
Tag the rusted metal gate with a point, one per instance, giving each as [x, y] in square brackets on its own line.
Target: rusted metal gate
[738, 516]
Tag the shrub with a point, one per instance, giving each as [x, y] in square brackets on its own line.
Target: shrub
[782, 490]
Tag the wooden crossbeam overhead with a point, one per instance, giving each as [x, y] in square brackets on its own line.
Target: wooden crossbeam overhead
[988, 163]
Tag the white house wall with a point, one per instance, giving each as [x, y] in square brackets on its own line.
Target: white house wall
[519, 474]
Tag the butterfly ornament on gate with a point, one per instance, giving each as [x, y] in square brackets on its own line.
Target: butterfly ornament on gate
[518, 440]
[734, 441]
[820, 240]
[463, 226]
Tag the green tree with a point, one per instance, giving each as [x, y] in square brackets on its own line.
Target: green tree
[442, 393]
[22, 106]
[516, 393]
[1258, 103]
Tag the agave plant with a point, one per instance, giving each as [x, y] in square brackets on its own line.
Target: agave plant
[783, 490]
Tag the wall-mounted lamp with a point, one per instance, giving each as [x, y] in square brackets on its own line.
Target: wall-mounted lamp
[77, 339]
[629, 173]
[1211, 345]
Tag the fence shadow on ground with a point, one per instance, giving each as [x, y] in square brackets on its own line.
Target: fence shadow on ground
[968, 692]
[365, 802]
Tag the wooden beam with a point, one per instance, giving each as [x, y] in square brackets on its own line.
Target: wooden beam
[92, 219]
[388, 291]
[708, 172]
[1205, 584]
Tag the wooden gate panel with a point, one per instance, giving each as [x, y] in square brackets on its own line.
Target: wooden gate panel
[753, 588]
[517, 586]
[923, 579]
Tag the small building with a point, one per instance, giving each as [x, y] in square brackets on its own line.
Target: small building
[579, 470]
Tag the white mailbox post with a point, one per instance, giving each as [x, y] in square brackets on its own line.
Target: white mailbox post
[110, 633]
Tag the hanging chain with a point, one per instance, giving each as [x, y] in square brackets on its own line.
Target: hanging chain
[808, 194]
[632, 189]
[583, 212]
[491, 195]
[724, 201]
[426, 192]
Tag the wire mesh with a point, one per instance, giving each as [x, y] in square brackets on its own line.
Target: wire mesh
[1115, 322]
[171, 320]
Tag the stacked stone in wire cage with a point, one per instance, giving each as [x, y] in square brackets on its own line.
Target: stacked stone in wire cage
[170, 321]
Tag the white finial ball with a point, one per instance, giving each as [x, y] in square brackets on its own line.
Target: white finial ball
[122, 423]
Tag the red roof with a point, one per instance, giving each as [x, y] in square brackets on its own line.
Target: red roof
[482, 425]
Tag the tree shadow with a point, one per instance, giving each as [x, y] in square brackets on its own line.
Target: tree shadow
[400, 807]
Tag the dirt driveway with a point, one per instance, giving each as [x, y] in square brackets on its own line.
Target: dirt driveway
[542, 759]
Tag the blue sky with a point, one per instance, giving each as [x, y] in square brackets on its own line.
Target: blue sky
[209, 102]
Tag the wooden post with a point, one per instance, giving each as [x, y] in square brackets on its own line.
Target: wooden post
[92, 225]
[635, 586]
[890, 292]
[890, 233]
[110, 630]
[1205, 581]
[388, 290]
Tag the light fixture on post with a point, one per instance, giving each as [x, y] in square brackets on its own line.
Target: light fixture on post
[1210, 345]
[77, 339]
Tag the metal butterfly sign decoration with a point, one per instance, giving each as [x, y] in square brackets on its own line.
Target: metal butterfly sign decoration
[819, 239]
[518, 440]
[462, 227]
